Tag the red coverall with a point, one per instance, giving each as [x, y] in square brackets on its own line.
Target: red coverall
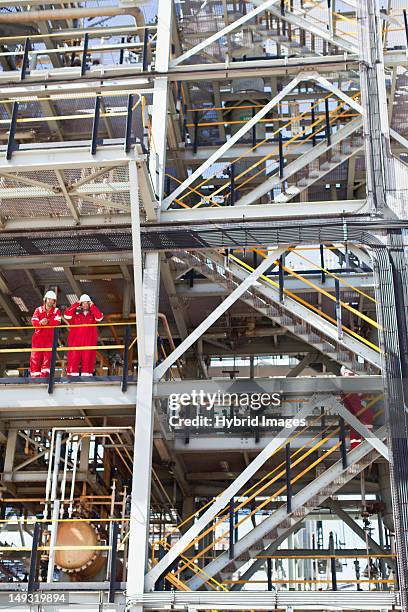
[82, 336]
[42, 338]
[353, 403]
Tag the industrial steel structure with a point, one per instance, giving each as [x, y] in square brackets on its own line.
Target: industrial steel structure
[227, 181]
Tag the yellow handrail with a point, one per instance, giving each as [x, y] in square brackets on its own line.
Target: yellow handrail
[310, 306]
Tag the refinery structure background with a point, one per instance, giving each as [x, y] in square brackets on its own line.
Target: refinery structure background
[203, 212]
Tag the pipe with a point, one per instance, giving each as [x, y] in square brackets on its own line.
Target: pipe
[71, 13]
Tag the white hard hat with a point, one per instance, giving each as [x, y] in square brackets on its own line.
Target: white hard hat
[346, 371]
[51, 295]
[84, 298]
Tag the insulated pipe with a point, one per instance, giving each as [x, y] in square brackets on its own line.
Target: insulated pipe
[71, 13]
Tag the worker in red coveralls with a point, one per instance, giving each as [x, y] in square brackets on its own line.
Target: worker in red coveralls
[353, 403]
[44, 319]
[84, 314]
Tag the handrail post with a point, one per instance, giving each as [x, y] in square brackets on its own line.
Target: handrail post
[231, 528]
[125, 373]
[269, 573]
[84, 66]
[32, 576]
[328, 128]
[95, 125]
[51, 377]
[323, 275]
[338, 309]
[128, 130]
[288, 480]
[281, 280]
[342, 436]
[24, 65]
[145, 60]
[232, 185]
[332, 562]
[11, 143]
[113, 562]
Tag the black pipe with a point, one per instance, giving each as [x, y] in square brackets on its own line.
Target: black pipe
[128, 132]
[313, 119]
[231, 527]
[328, 127]
[269, 573]
[281, 279]
[145, 61]
[32, 575]
[406, 24]
[84, 65]
[195, 139]
[24, 65]
[253, 130]
[113, 562]
[281, 157]
[232, 185]
[342, 438]
[338, 309]
[95, 125]
[332, 562]
[11, 144]
[122, 51]
[51, 377]
[125, 374]
[288, 480]
[323, 275]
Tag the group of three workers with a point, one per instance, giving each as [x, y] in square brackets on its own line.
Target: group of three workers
[82, 317]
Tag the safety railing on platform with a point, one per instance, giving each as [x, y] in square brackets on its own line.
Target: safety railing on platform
[189, 561]
[74, 49]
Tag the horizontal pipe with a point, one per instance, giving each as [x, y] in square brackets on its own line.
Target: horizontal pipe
[70, 13]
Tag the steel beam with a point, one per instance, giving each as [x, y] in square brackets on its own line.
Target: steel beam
[161, 369]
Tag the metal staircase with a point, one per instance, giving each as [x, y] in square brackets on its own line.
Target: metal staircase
[311, 166]
[307, 325]
[305, 501]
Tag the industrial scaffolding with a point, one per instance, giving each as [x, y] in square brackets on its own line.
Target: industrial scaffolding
[227, 180]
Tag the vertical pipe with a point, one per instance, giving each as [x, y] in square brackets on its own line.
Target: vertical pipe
[125, 374]
[332, 562]
[113, 562]
[32, 576]
[95, 125]
[145, 61]
[232, 185]
[84, 65]
[55, 507]
[281, 156]
[122, 51]
[322, 265]
[288, 480]
[338, 309]
[269, 573]
[24, 65]
[313, 119]
[253, 130]
[11, 145]
[406, 25]
[195, 137]
[327, 114]
[128, 130]
[281, 279]
[51, 378]
[342, 438]
[231, 527]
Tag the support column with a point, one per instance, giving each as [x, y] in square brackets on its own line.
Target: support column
[147, 307]
[374, 100]
[391, 282]
[140, 497]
